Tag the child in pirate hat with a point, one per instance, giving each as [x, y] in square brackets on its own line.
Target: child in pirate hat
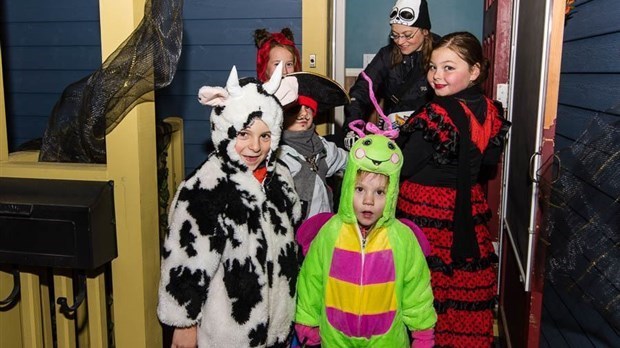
[310, 158]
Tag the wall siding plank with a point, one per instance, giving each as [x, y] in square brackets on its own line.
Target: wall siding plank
[234, 31]
[44, 81]
[30, 104]
[599, 54]
[591, 18]
[83, 33]
[597, 92]
[562, 141]
[196, 132]
[195, 155]
[554, 314]
[186, 107]
[242, 9]
[573, 121]
[50, 11]
[220, 58]
[53, 58]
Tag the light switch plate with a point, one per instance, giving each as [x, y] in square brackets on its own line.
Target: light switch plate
[367, 58]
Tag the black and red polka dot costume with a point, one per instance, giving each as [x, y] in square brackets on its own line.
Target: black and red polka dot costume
[463, 274]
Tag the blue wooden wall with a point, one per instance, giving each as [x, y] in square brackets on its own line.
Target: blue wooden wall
[46, 45]
[590, 80]
[589, 85]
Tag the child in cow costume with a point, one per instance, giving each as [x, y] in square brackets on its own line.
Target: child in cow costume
[230, 262]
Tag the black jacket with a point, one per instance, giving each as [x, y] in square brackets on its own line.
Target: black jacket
[386, 82]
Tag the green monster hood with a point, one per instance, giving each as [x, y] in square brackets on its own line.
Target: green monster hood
[377, 154]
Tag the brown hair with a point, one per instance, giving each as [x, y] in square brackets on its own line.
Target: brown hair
[467, 46]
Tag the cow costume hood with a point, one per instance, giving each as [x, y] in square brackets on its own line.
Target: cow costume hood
[237, 105]
[229, 260]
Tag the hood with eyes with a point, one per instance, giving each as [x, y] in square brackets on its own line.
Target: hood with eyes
[412, 13]
[377, 154]
[236, 106]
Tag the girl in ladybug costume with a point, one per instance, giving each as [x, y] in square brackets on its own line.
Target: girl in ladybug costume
[445, 147]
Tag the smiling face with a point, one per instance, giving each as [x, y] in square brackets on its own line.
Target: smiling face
[300, 121]
[253, 144]
[408, 39]
[448, 73]
[369, 197]
[377, 154]
[280, 54]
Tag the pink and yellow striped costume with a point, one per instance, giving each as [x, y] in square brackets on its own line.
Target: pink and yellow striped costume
[365, 292]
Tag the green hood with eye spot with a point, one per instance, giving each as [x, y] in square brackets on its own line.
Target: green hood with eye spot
[376, 154]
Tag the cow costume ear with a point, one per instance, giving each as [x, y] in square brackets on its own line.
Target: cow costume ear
[212, 96]
[217, 96]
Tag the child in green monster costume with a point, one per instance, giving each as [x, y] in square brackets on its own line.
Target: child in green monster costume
[365, 281]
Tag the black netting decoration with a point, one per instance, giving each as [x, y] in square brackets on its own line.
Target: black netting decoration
[583, 219]
[91, 107]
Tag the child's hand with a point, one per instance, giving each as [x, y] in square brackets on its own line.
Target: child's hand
[349, 139]
[423, 339]
[308, 335]
[185, 337]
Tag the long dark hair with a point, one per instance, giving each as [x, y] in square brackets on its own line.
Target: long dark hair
[467, 46]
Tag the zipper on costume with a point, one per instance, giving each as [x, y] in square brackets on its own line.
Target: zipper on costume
[361, 282]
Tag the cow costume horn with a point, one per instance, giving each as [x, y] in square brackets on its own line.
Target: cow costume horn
[232, 84]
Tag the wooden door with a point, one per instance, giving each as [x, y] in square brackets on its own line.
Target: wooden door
[496, 45]
[536, 41]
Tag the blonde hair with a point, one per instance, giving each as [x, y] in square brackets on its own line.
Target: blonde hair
[362, 174]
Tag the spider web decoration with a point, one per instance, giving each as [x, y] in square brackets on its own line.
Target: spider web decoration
[583, 219]
[91, 107]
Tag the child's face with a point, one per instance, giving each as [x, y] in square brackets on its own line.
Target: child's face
[300, 122]
[280, 54]
[448, 73]
[369, 198]
[253, 143]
